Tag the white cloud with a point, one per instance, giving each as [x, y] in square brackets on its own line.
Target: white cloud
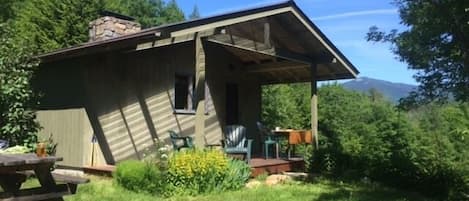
[356, 13]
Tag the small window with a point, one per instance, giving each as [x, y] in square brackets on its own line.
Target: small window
[184, 93]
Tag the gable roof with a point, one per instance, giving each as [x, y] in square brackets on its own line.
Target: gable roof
[193, 26]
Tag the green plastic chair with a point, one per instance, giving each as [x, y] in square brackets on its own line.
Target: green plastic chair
[175, 138]
[236, 142]
[268, 140]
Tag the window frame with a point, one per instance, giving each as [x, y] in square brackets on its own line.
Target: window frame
[189, 106]
[190, 95]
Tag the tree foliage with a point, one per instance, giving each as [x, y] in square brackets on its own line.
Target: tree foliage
[365, 137]
[7, 8]
[436, 44]
[55, 24]
[17, 118]
[286, 106]
[195, 13]
[52, 24]
[148, 12]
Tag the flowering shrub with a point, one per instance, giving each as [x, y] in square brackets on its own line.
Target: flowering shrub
[197, 171]
[189, 172]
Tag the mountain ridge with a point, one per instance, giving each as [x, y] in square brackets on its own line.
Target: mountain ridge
[391, 90]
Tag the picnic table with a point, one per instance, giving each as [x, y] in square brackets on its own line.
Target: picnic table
[15, 168]
[295, 137]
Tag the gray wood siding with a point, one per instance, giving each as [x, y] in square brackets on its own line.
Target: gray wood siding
[128, 103]
[71, 130]
[132, 98]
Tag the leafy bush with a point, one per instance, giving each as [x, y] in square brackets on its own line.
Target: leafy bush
[189, 172]
[365, 136]
[197, 171]
[287, 106]
[18, 123]
[236, 176]
[139, 176]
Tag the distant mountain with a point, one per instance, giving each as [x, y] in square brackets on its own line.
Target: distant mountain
[391, 90]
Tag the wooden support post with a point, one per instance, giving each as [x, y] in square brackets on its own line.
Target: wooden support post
[267, 35]
[314, 104]
[199, 92]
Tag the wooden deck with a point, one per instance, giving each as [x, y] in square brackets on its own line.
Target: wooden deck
[275, 166]
[258, 165]
[104, 170]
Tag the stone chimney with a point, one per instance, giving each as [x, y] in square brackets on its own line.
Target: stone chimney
[112, 25]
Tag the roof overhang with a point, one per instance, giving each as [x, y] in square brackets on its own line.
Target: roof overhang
[279, 37]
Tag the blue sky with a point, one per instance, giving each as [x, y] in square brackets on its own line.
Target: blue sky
[345, 23]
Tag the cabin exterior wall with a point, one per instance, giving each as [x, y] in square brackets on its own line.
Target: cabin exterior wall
[127, 100]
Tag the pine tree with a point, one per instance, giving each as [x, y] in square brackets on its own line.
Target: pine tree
[195, 13]
[52, 24]
[148, 13]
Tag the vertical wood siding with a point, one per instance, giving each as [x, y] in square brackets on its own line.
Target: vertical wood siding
[129, 102]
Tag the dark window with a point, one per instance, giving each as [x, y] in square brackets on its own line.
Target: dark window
[232, 100]
[183, 92]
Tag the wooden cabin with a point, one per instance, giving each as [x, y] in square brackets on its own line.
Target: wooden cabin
[114, 97]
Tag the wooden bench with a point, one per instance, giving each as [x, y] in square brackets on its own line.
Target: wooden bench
[16, 168]
[71, 181]
[69, 186]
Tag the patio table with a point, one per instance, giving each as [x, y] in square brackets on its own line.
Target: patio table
[294, 137]
[11, 177]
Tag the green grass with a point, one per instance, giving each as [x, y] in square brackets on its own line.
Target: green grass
[106, 190]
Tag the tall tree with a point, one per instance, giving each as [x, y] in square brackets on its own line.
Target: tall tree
[54, 24]
[17, 118]
[436, 44]
[148, 12]
[172, 13]
[195, 13]
[287, 106]
[7, 9]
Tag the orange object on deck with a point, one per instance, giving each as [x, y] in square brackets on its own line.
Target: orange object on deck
[296, 136]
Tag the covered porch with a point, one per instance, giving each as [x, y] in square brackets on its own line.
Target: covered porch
[279, 48]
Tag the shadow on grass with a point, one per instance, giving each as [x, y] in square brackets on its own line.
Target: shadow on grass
[366, 192]
[338, 190]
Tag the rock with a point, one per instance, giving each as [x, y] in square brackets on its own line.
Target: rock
[120, 26]
[277, 179]
[253, 184]
[297, 175]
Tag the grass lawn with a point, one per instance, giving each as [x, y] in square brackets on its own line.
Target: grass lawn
[105, 190]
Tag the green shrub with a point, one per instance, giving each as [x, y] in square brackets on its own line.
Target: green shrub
[139, 176]
[189, 172]
[197, 171]
[18, 123]
[236, 176]
[363, 136]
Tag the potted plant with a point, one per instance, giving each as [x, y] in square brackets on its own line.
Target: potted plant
[46, 147]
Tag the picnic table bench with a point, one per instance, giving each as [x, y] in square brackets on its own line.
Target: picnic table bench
[16, 168]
